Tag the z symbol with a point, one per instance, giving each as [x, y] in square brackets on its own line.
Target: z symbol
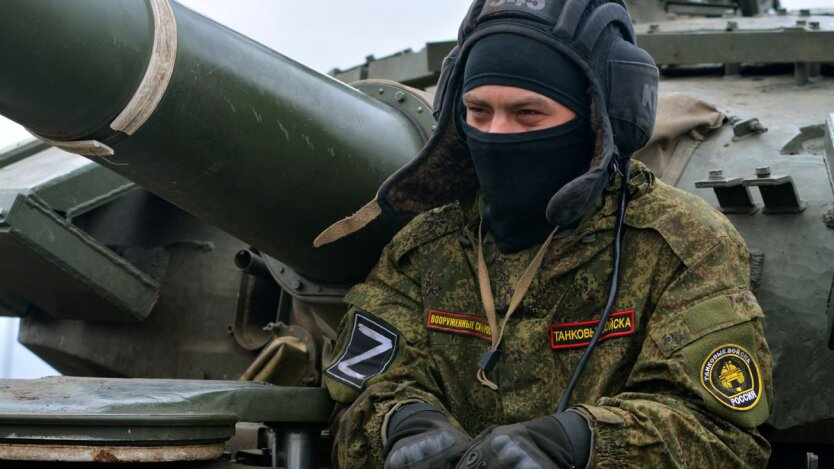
[369, 352]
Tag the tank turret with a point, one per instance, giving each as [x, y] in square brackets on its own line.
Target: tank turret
[180, 244]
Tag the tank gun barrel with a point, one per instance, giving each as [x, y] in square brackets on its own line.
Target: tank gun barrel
[234, 133]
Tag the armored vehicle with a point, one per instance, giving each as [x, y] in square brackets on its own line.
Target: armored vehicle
[156, 238]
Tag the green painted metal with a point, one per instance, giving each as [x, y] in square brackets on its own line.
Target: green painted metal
[86, 222]
[244, 138]
[51, 30]
[185, 335]
[73, 398]
[100, 426]
[12, 304]
[419, 69]
[739, 40]
[829, 215]
[696, 41]
[702, 41]
[254, 143]
[77, 277]
[68, 184]
[829, 146]
[84, 192]
[141, 411]
[20, 151]
[794, 249]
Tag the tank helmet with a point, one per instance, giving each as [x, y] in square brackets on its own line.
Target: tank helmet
[596, 34]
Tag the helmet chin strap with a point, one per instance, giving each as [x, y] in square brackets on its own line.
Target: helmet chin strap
[612, 292]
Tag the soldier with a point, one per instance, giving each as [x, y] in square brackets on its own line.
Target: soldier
[554, 304]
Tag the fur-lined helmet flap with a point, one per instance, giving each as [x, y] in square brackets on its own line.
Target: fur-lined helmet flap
[599, 37]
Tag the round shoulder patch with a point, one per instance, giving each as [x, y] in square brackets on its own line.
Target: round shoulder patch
[731, 374]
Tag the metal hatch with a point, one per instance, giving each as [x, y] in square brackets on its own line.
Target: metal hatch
[77, 277]
[141, 420]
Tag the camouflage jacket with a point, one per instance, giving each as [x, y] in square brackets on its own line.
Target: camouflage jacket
[680, 379]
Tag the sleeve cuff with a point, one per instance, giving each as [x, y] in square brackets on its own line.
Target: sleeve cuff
[386, 421]
[578, 430]
[609, 437]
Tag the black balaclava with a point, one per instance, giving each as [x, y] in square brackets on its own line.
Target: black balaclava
[519, 172]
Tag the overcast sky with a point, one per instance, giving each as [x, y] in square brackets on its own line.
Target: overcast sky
[325, 34]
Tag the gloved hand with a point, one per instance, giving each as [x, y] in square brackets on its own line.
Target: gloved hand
[561, 440]
[420, 436]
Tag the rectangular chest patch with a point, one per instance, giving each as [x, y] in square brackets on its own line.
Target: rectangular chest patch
[578, 334]
[458, 323]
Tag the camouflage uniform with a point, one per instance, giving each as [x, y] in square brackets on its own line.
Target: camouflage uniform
[684, 295]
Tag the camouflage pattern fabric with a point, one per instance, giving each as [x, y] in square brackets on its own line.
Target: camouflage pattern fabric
[681, 379]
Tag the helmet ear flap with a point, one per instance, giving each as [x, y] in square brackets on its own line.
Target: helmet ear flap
[446, 69]
[632, 99]
[600, 22]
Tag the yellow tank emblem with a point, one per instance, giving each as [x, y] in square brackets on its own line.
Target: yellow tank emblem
[730, 374]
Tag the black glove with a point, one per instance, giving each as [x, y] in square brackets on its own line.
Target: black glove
[420, 435]
[561, 440]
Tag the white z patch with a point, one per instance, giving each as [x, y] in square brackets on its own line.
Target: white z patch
[369, 352]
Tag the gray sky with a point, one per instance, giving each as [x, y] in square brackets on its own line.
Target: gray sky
[325, 34]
